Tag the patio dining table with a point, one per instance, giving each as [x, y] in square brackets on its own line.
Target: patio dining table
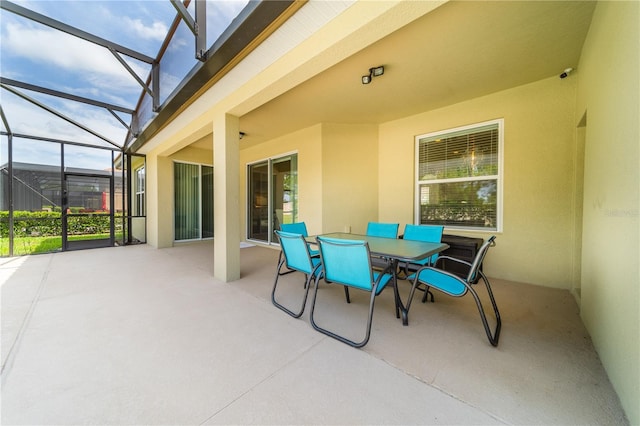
[395, 250]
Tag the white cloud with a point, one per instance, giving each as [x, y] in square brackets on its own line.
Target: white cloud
[79, 57]
[25, 118]
[228, 8]
[157, 31]
[40, 55]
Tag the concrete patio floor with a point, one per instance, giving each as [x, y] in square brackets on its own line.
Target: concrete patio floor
[136, 335]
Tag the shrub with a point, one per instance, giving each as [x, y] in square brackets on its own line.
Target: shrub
[48, 224]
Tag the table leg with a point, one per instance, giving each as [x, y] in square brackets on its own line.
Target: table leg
[400, 308]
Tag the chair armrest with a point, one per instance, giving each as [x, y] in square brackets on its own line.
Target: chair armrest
[464, 262]
[438, 270]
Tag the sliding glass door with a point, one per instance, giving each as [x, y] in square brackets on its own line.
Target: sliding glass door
[193, 201]
[206, 197]
[272, 196]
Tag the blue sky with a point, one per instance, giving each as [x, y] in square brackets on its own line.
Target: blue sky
[36, 54]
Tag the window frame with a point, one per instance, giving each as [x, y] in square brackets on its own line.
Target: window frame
[139, 191]
[499, 177]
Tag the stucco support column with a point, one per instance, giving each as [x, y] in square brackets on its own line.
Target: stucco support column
[226, 196]
[159, 191]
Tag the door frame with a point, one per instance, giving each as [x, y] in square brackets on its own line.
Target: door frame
[66, 206]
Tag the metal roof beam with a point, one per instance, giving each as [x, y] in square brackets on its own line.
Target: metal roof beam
[120, 120]
[185, 15]
[58, 114]
[130, 70]
[198, 26]
[4, 120]
[64, 95]
[255, 21]
[44, 20]
[55, 140]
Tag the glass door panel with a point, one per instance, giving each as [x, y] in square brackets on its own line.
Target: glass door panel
[258, 202]
[207, 202]
[187, 201]
[285, 194]
[273, 196]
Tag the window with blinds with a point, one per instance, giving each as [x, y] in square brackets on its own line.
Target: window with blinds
[458, 177]
[138, 187]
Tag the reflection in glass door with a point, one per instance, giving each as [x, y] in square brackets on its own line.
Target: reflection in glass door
[259, 202]
[284, 193]
[87, 219]
[273, 196]
[206, 195]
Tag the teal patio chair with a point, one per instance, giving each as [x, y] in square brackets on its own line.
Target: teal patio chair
[456, 286]
[385, 230]
[298, 228]
[295, 228]
[348, 262]
[426, 233]
[296, 257]
[379, 229]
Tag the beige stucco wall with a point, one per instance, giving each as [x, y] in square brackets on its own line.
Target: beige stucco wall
[337, 175]
[195, 155]
[352, 174]
[536, 243]
[609, 92]
[350, 177]
[307, 143]
[159, 192]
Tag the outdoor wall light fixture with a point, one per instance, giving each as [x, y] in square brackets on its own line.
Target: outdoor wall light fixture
[242, 134]
[373, 72]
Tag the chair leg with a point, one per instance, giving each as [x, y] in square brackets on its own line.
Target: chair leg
[427, 293]
[307, 285]
[346, 294]
[416, 284]
[280, 262]
[493, 337]
[337, 336]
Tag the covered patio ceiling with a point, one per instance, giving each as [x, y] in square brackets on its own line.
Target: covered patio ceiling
[459, 51]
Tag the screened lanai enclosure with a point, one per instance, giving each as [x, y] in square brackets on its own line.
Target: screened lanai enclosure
[83, 86]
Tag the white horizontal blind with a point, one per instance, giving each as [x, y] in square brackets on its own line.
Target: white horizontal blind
[459, 154]
[458, 177]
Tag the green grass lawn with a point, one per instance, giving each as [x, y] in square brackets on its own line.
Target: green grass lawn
[35, 245]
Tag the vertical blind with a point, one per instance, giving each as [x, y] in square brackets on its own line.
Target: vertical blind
[206, 195]
[187, 201]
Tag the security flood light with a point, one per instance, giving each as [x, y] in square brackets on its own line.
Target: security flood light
[373, 72]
